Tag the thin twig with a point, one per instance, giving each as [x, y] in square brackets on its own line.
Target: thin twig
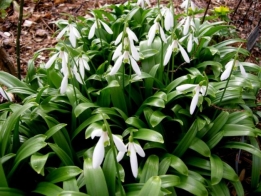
[20, 20]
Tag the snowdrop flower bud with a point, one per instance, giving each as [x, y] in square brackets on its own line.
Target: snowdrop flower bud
[95, 26]
[98, 153]
[142, 3]
[229, 68]
[197, 90]
[133, 148]
[79, 68]
[168, 19]
[188, 3]
[156, 29]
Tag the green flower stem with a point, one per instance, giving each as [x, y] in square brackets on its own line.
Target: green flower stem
[98, 25]
[114, 153]
[161, 68]
[172, 66]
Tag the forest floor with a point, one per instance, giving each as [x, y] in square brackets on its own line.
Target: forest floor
[39, 31]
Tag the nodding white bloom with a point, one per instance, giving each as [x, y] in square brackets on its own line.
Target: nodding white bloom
[64, 56]
[133, 148]
[188, 4]
[191, 39]
[79, 68]
[142, 3]
[168, 18]
[95, 26]
[98, 153]
[197, 89]
[175, 46]
[129, 54]
[72, 30]
[156, 29]
[229, 68]
[6, 95]
[186, 22]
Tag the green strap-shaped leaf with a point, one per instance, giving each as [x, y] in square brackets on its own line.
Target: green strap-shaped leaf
[239, 188]
[11, 81]
[9, 125]
[82, 107]
[94, 179]
[239, 130]
[72, 193]
[63, 173]
[156, 117]
[192, 185]
[243, 146]
[219, 189]
[38, 161]
[135, 122]
[3, 180]
[256, 165]
[169, 181]
[151, 168]
[48, 189]
[200, 147]
[151, 187]
[61, 154]
[148, 135]
[71, 184]
[164, 165]
[6, 191]
[28, 148]
[215, 139]
[54, 129]
[177, 164]
[216, 169]
[186, 141]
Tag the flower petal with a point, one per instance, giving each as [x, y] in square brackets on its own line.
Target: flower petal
[151, 33]
[194, 101]
[92, 30]
[51, 61]
[135, 66]
[227, 71]
[168, 22]
[116, 66]
[118, 39]
[77, 75]
[162, 35]
[134, 52]
[96, 133]
[139, 150]
[186, 26]
[75, 31]
[64, 84]
[133, 160]
[184, 53]
[190, 43]
[203, 90]
[120, 156]
[98, 153]
[185, 87]
[59, 36]
[117, 52]
[148, 2]
[242, 69]
[119, 144]
[72, 39]
[106, 27]
[131, 34]
[168, 55]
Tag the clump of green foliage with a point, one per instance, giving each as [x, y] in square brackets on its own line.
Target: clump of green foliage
[136, 101]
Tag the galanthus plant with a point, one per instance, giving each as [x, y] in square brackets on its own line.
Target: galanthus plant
[133, 101]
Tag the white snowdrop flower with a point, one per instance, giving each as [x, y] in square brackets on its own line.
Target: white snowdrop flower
[141, 3]
[98, 153]
[168, 19]
[125, 58]
[51, 61]
[79, 68]
[73, 33]
[191, 40]
[62, 55]
[188, 3]
[95, 25]
[175, 46]
[133, 148]
[229, 67]
[6, 95]
[197, 89]
[64, 83]
[156, 29]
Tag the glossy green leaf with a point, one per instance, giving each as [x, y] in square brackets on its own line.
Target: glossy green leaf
[243, 146]
[150, 168]
[135, 122]
[71, 184]
[239, 188]
[219, 189]
[28, 148]
[216, 169]
[177, 164]
[54, 129]
[256, 165]
[65, 158]
[151, 187]
[48, 189]
[82, 107]
[38, 161]
[94, 179]
[169, 180]
[63, 173]
[192, 185]
[200, 146]
[156, 118]
[72, 193]
[238, 130]
[148, 135]
[6, 191]
[164, 165]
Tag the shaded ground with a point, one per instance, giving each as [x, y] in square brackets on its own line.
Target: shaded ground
[39, 30]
